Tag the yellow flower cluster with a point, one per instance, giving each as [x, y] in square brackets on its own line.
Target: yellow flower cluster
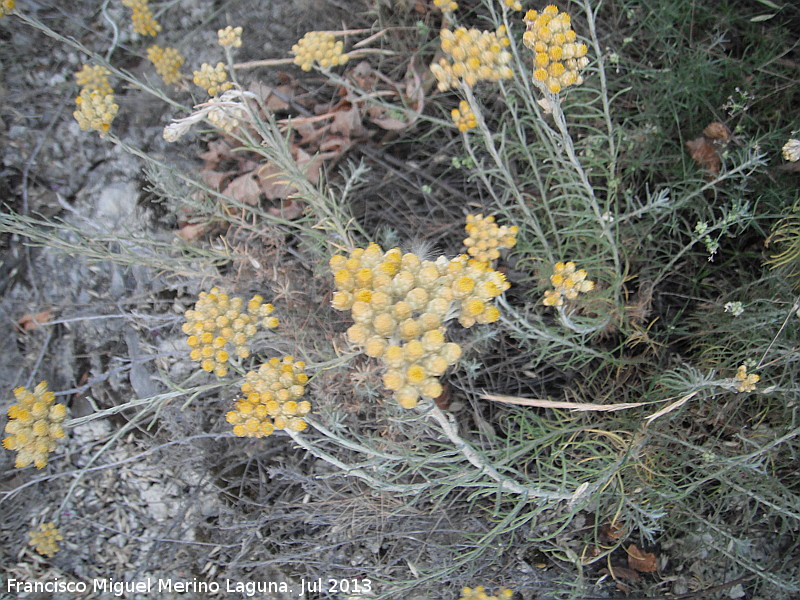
[557, 59]
[399, 305]
[230, 36]
[218, 322]
[143, 21]
[513, 4]
[34, 425]
[486, 238]
[479, 593]
[472, 56]
[226, 117]
[6, 6]
[463, 117]
[167, 61]
[747, 383]
[446, 5]
[271, 399]
[320, 47]
[94, 78]
[46, 539]
[568, 283]
[95, 106]
[213, 79]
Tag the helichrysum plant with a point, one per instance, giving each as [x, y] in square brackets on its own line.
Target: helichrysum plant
[45, 539]
[230, 37]
[95, 106]
[472, 56]
[747, 382]
[219, 325]
[321, 48]
[479, 593]
[399, 305]
[567, 282]
[463, 117]
[487, 238]
[167, 61]
[213, 79]
[558, 58]
[143, 21]
[271, 399]
[513, 4]
[34, 425]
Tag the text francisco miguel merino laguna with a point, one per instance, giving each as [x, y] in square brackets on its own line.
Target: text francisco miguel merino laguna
[150, 585]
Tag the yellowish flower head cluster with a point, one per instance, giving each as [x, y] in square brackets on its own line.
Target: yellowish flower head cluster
[271, 399]
[513, 4]
[568, 283]
[747, 383]
[218, 323]
[94, 78]
[143, 21]
[399, 305]
[95, 106]
[230, 36]
[34, 425]
[463, 117]
[319, 47]
[6, 6]
[213, 79]
[446, 5]
[557, 59]
[167, 61]
[479, 593]
[791, 150]
[226, 117]
[486, 238]
[472, 56]
[46, 539]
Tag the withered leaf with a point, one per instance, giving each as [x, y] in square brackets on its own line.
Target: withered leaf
[244, 188]
[621, 573]
[192, 231]
[639, 560]
[31, 321]
[272, 183]
[705, 155]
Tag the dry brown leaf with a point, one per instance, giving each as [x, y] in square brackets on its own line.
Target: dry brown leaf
[190, 232]
[32, 321]
[705, 155]
[289, 209]
[244, 188]
[215, 179]
[621, 573]
[576, 406]
[717, 132]
[639, 560]
[612, 532]
[218, 151]
[272, 183]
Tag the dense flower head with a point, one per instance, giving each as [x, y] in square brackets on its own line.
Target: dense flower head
[319, 47]
[167, 61]
[34, 425]
[219, 324]
[143, 21]
[567, 283]
[400, 303]
[271, 399]
[479, 593]
[472, 56]
[463, 117]
[230, 36]
[791, 150]
[446, 5]
[6, 6]
[95, 110]
[487, 238]
[45, 539]
[94, 78]
[747, 383]
[213, 79]
[558, 58]
[513, 4]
